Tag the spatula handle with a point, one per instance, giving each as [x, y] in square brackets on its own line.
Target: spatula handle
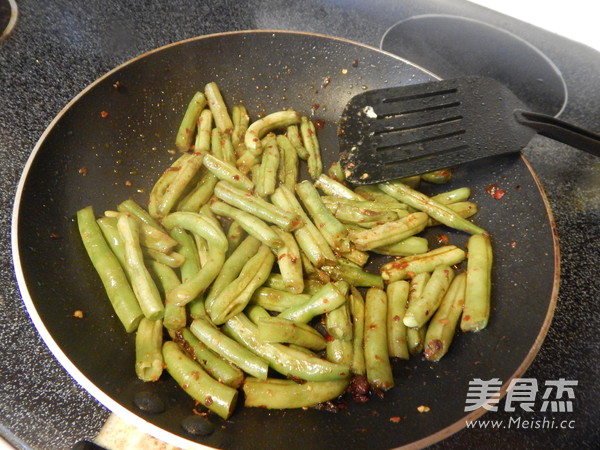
[561, 131]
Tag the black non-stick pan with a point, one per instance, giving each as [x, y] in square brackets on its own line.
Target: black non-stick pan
[114, 139]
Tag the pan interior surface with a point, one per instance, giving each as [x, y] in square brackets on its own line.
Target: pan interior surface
[114, 140]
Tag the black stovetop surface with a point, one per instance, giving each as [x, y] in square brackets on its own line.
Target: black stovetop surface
[58, 47]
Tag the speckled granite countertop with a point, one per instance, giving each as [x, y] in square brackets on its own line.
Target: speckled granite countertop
[58, 47]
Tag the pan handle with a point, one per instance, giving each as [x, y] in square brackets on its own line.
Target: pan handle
[561, 131]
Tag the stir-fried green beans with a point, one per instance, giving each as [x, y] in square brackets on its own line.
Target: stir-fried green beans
[252, 274]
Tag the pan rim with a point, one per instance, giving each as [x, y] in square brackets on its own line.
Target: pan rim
[136, 420]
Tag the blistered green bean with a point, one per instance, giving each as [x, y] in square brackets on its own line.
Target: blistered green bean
[217, 397]
[229, 349]
[377, 360]
[284, 394]
[185, 134]
[148, 350]
[422, 309]
[217, 107]
[109, 269]
[476, 311]
[397, 294]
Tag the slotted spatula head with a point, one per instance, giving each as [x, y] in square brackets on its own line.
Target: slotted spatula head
[401, 131]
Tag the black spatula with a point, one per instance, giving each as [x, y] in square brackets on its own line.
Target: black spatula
[401, 131]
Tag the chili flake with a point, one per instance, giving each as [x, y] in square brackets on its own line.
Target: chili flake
[104, 114]
[495, 191]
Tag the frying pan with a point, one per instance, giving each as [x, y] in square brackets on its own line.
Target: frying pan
[111, 142]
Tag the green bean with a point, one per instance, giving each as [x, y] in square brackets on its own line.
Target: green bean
[203, 134]
[234, 297]
[357, 257]
[426, 262]
[420, 311]
[220, 369]
[277, 300]
[288, 361]
[144, 287]
[335, 172]
[476, 311]
[241, 121]
[216, 142]
[108, 227]
[235, 236]
[289, 261]
[276, 329]
[415, 337]
[334, 188]
[390, 232]
[437, 176]
[332, 229]
[266, 180]
[456, 195]
[164, 181]
[152, 238]
[275, 393]
[372, 193]
[293, 134]
[410, 246]
[218, 108]
[288, 166]
[177, 188]
[167, 279]
[259, 128]
[173, 259]
[352, 274]
[311, 144]
[186, 246]
[309, 238]
[200, 193]
[357, 312]
[339, 351]
[196, 307]
[324, 300]
[148, 350]
[442, 327]
[227, 172]
[397, 294]
[463, 209]
[217, 397]
[256, 313]
[229, 349]
[377, 360]
[436, 210]
[217, 247]
[232, 267]
[338, 323]
[185, 134]
[412, 181]
[110, 271]
[287, 221]
[251, 224]
[131, 207]
[226, 151]
[364, 214]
